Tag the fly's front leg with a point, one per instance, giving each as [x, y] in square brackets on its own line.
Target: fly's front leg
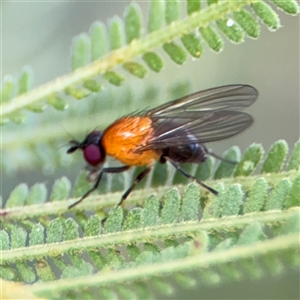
[95, 186]
[136, 181]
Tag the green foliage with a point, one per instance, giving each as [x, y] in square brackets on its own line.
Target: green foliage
[162, 234]
[245, 19]
[290, 7]
[217, 235]
[156, 15]
[193, 6]
[249, 161]
[257, 196]
[133, 22]
[278, 195]
[57, 102]
[136, 69]
[7, 89]
[190, 203]
[294, 161]
[293, 198]
[192, 44]
[278, 150]
[268, 16]
[150, 213]
[61, 189]
[162, 175]
[126, 42]
[18, 196]
[37, 194]
[234, 33]
[153, 61]
[114, 78]
[116, 33]
[226, 168]
[81, 51]
[212, 38]
[98, 36]
[173, 10]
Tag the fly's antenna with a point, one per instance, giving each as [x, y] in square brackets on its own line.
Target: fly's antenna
[75, 146]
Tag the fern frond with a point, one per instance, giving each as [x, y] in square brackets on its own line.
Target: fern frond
[151, 266]
[91, 59]
[159, 180]
[170, 232]
[243, 251]
[225, 237]
[277, 246]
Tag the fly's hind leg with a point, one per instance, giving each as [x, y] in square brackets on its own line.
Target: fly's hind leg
[183, 172]
[140, 177]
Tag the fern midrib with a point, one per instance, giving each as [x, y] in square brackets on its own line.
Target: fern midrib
[146, 234]
[164, 268]
[124, 54]
[97, 202]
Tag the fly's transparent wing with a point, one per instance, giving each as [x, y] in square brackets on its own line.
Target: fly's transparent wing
[228, 97]
[205, 116]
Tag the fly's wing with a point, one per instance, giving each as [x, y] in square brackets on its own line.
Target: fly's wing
[205, 116]
[227, 97]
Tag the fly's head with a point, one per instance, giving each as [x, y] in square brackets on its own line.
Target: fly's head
[91, 147]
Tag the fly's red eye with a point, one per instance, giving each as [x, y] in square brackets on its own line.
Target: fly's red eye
[92, 154]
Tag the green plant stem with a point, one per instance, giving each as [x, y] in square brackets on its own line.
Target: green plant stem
[147, 234]
[97, 202]
[190, 263]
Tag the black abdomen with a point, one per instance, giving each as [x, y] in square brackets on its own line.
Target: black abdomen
[190, 153]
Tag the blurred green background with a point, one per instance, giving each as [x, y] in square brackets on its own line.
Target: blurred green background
[39, 34]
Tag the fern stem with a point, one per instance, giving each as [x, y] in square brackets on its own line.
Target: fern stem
[137, 197]
[147, 234]
[278, 244]
[127, 53]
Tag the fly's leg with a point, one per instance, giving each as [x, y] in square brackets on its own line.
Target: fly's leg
[183, 172]
[221, 158]
[95, 186]
[142, 175]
